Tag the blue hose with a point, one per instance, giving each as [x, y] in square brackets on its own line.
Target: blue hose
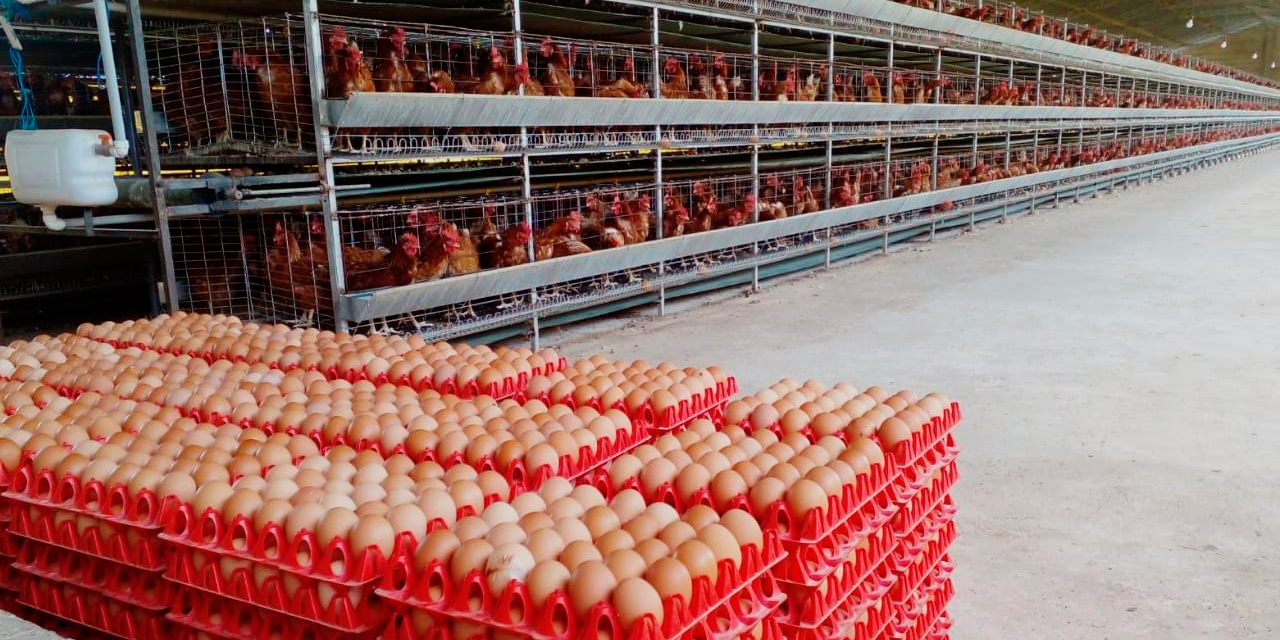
[27, 117]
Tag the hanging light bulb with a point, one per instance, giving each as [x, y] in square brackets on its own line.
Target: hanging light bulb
[1191, 22]
[1224, 44]
[1273, 65]
[1255, 55]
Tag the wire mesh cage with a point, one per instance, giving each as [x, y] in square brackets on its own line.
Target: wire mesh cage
[232, 88]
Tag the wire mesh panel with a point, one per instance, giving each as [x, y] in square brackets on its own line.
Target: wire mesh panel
[233, 88]
[264, 267]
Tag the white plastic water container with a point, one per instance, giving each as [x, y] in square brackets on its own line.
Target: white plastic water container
[61, 167]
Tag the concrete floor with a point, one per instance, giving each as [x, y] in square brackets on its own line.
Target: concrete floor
[1117, 362]
[1114, 359]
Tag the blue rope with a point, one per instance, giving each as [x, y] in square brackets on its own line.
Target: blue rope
[27, 117]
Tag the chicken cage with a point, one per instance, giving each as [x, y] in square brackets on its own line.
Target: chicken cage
[483, 174]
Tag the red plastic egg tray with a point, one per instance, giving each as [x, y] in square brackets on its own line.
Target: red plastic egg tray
[63, 513]
[917, 621]
[740, 598]
[862, 618]
[806, 606]
[132, 586]
[90, 610]
[927, 500]
[343, 608]
[199, 614]
[303, 556]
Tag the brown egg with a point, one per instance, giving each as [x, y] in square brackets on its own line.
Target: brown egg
[469, 556]
[545, 544]
[590, 582]
[804, 496]
[676, 533]
[701, 516]
[652, 549]
[893, 432]
[722, 542]
[499, 513]
[536, 520]
[555, 488]
[745, 529]
[546, 577]
[635, 598]
[571, 529]
[466, 493]
[764, 416]
[439, 545]
[242, 502]
[600, 519]
[212, 495]
[615, 540]
[337, 523]
[868, 448]
[506, 533]
[373, 532]
[698, 559]
[579, 551]
[471, 527]
[690, 480]
[786, 472]
[670, 577]
[625, 563]
[727, 486]
[627, 504]
[766, 492]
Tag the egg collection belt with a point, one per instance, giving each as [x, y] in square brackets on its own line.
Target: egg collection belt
[194, 476]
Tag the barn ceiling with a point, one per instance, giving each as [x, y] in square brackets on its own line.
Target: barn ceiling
[1248, 26]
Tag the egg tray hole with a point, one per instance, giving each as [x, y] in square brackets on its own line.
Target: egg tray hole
[350, 609]
[135, 587]
[941, 629]
[86, 609]
[431, 590]
[212, 534]
[203, 613]
[805, 607]
[927, 500]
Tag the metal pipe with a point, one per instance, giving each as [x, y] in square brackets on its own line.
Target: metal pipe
[659, 196]
[149, 125]
[120, 141]
[324, 160]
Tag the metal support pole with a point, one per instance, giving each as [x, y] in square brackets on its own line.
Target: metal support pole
[136, 35]
[933, 165]
[977, 80]
[830, 146]
[526, 179]
[888, 182]
[324, 161]
[659, 195]
[755, 151]
[937, 76]
[893, 73]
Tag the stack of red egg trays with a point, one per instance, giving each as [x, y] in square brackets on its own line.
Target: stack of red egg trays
[835, 574]
[9, 547]
[234, 581]
[740, 603]
[924, 528]
[89, 554]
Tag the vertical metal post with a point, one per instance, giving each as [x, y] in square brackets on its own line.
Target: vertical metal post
[830, 146]
[1084, 87]
[888, 180]
[893, 73]
[526, 177]
[977, 80]
[153, 154]
[755, 151]
[659, 195]
[1062, 85]
[937, 76]
[324, 160]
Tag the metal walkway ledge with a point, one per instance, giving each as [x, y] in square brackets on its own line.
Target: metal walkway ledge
[468, 110]
[381, 303]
